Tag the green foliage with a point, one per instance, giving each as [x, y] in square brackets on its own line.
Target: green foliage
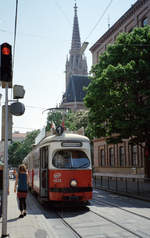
[14, 157]
[55, 117]
[73, 120]
[17, 151]
[76, 120]
[118, 96]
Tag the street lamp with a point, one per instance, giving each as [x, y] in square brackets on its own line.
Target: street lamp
[83, 47]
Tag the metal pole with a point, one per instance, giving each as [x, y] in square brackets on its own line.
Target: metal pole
[138, 186]
[116, 184]
[108, 183]
[126, 185]
[5, 171]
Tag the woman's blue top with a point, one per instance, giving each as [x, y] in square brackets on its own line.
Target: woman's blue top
[22, 182]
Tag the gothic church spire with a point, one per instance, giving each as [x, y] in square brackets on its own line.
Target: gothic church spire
[76, 43]
[76, 71]
[77, 64]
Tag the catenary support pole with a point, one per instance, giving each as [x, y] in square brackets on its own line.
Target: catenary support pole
[5, 171]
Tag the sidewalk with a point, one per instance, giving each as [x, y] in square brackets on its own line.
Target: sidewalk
[34, 225]
[139, 189]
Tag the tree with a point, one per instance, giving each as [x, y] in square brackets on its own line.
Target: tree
[53, 118]
[14, 157]
[17, 151]
[118, 96]
[73, 120]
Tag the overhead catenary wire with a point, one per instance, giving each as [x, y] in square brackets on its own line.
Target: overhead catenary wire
[2, 30]
[36, 107]
[101, 17]
[25, 128]
[24, 34]
[62, 11]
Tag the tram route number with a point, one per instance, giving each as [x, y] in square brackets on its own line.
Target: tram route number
[57, 178]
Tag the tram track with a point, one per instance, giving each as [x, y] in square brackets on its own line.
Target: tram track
[67, 220]
[49, 212]
[64, 220]
[115, 223]
[131, 213]
[123, 209]
[69, 226]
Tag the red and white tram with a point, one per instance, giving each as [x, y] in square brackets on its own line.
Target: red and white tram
[60, 168]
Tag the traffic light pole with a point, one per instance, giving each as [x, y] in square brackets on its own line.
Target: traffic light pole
[5, 170]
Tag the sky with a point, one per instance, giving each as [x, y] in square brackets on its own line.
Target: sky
[43, 41]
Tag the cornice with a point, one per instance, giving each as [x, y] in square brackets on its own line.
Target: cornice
[119, 23]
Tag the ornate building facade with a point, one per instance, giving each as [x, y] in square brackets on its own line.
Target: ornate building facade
[76, 71]
[121, 159]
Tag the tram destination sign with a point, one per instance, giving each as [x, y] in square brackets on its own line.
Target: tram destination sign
[71, 144]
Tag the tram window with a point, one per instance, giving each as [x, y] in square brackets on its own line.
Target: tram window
[70, 159]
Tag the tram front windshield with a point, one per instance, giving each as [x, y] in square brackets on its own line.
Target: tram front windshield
[70, 159]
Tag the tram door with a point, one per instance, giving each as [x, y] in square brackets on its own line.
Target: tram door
[44, 172]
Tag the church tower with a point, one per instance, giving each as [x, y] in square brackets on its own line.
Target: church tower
[76, 65]
[76, 71]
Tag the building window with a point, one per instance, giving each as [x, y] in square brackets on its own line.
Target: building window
[111, 156]
[145, 21]
[134, 155]
[102, 155]
[121, 156]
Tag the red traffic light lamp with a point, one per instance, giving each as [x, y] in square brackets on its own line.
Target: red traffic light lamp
[6, 63]
[6, 50]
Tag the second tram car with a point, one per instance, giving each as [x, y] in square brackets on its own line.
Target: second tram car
[60, 168]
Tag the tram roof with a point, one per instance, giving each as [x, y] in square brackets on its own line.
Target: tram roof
[64, 137]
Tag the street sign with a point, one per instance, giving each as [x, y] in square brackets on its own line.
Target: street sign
[18, 91]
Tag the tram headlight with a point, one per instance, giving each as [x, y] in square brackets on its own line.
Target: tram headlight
[73, 183]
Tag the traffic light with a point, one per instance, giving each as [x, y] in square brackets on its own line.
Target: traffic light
[6, 63]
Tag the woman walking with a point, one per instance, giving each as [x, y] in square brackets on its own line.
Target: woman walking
[22, 182]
